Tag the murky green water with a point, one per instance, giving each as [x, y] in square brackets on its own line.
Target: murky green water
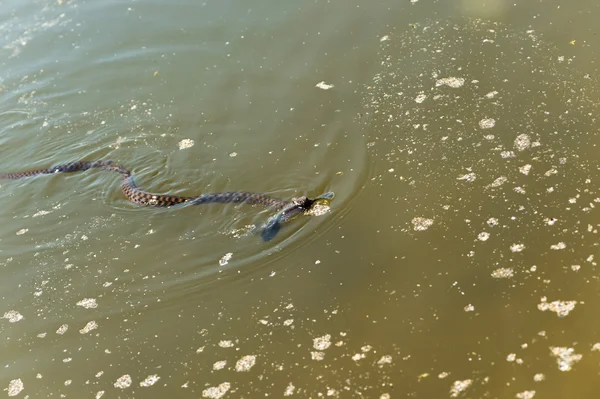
[458, 258]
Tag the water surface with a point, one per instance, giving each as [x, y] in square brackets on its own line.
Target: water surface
[458, 258]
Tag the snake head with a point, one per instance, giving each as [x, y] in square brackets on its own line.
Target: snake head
[294, 208]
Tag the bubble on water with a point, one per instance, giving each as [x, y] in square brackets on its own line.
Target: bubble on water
[420, 98]
[421, 223]
[15, 387]
[492, 222]
[13, 316]
[123, 382]
[522, 142]
[220, 365]
[92, 325]
[386, 359]
[225, 259]
[503, 272]
[483, 236]
[245, 363]
[242, 231]
[88, 303]
[559, 246]
[289, 390]
[517, 247]
[525, 169]
[459, 386]
[561, 308]
[498, 182]
[324, 86]
[185, 143]
[550, 172]
[450, 82]
[150, 380]
[565, 357]
[526, 395]
[469, 177]
[550, 221]
[62, 329]
[216, 392]
[487, 123]
[322, 343]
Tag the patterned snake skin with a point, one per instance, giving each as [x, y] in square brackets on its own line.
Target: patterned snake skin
[286, 209]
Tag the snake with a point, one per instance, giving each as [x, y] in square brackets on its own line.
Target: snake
[286, 210]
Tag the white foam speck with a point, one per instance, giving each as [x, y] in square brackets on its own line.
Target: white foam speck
[322, 343]
[150, 380]
[450, 82]
[185, 143]
[561, 308]
[13, 316]
[92, 325]
[216, 392]
[420, 98]
[225, 259]
[459, 386]
[483, 236]
[517, 247]
[245, 363]
[522, 142]
[421, 223]
[15, 387]
[469, 177]
[487, 123]
[123, 382]
[88, 303]
[324, 86]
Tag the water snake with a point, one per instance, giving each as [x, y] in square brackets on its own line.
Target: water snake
[286, 210]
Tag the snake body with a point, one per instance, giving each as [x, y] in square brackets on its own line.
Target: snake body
[286, 209]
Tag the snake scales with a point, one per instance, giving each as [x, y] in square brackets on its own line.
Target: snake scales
[286, 209]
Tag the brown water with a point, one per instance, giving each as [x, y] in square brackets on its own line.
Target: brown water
[460, 140]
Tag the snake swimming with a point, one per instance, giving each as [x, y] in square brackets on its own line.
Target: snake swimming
[286, 210]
